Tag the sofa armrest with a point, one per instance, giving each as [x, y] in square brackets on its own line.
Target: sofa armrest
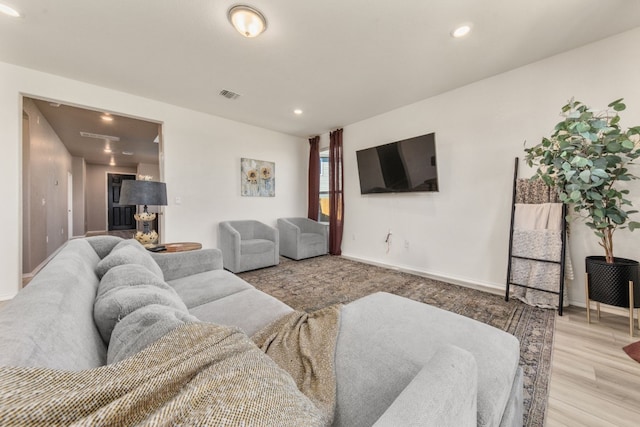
[175, 265]
[443, 393]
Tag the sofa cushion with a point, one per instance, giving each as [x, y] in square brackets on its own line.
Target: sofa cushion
[103, 245]
[129, 275]
[256, 246]
[250, 310]
[126, 252]
[208, 286]
[370, 377]
[117, 302]
[142, 328]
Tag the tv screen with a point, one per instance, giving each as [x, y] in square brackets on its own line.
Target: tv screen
[399, 167]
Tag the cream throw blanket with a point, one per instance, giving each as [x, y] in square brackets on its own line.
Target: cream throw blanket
[537, 233]
[198, 374]
[304, 345]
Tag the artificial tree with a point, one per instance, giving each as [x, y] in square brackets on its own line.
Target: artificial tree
[585, 157]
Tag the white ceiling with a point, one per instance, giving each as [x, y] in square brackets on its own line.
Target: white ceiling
[340, 61]
[136, 139]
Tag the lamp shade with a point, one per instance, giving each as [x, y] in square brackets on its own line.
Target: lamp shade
[139, 192]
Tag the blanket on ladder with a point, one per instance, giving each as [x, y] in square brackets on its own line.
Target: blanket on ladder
[198, 374]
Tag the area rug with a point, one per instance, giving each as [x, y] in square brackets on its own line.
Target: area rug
[633, 350]
[315, 283]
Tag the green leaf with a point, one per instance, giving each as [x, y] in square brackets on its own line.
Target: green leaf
[615, 121]
[619, 106]
[585, 175]
[583, 127]
[575, 196]
[616, 218]
[633, 225]
[614, 147]
[615, 102]
[600, 173]
[628, 144]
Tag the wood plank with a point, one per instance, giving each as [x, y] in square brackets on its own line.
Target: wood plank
[593, 381]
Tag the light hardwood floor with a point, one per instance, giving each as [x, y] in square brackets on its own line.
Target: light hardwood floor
[593, 381]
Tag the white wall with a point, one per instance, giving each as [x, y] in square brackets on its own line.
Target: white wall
[461, 233]
[201, 163]
[49, 164]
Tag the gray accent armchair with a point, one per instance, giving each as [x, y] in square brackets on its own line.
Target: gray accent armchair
[248, 245]
[303, 238]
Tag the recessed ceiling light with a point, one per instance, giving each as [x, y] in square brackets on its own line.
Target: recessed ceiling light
[297, 111]
[461, 31]
[106, 118]
[107, 150]
[9, 11]
[112, 162]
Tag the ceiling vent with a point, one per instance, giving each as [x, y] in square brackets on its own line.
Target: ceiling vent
[98, 136]
[229, 95]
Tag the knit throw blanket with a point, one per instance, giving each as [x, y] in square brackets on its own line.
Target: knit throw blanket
[198, 374]
[304, 345]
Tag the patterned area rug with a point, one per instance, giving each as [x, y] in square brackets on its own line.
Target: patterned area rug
[319, 282]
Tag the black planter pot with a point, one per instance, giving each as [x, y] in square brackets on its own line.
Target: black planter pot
[609, 283]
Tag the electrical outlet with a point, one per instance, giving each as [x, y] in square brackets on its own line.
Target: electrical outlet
[406, 244]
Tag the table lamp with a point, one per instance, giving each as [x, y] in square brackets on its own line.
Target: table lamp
[141, 192]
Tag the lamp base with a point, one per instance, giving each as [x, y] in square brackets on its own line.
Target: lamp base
[147, 239]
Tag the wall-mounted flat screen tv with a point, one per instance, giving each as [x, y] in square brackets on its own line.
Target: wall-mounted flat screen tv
[399, 167]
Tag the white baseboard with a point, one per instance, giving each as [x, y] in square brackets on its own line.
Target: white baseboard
[7, 297]
[486, 287]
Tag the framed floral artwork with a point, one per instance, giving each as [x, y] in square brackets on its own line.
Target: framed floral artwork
[257, 178]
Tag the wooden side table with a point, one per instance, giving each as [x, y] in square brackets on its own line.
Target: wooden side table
[176, 247]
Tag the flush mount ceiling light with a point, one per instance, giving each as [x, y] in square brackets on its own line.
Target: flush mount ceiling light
[248, 21]
[297, 111]
[9, 11]
[106, 117]
[461, 31]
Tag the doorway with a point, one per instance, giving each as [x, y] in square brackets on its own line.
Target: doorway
[120, 217]
[67, 152]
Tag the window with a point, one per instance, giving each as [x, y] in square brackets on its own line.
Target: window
[324, 186]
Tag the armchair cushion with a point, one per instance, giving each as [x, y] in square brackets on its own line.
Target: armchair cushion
[256, 246]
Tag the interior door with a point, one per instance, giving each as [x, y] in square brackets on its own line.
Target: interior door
[120, 217]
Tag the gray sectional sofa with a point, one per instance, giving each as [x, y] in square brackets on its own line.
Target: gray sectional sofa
[397, 362]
